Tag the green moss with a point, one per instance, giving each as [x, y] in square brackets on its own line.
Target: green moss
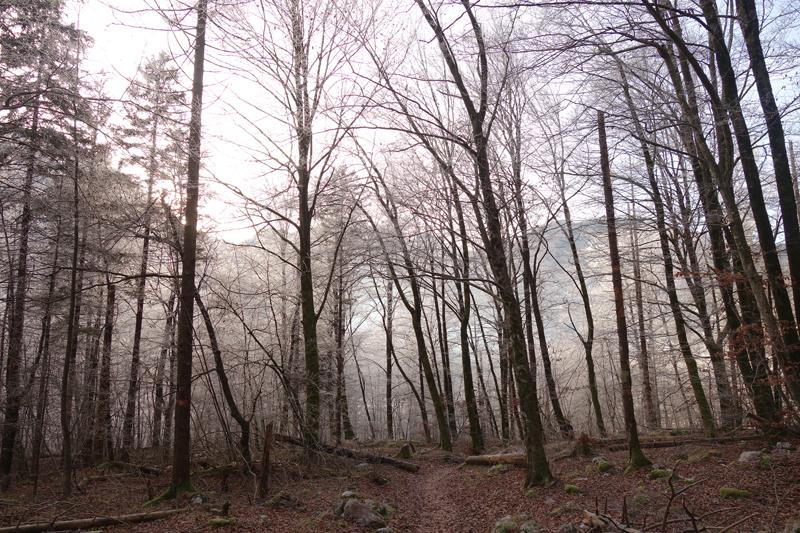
[766, 462]
[733, 494]
[641, 500]
[571, 489]
[304, 491]
[498, 468]
[11, 501]
[531, 493]
[603, 466]
[657, 474]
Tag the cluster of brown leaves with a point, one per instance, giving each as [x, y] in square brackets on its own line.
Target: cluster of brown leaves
[442, 496]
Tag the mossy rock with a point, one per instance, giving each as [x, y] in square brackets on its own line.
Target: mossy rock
[641, 500]
[405, 452]
[572, 489]
[604, 466]
[496, 469]
[766, 462]
[733, 494]
[222, 522]
[568, 507]
[657, 474]
[531, 493]
[507, 524]
[631, 469]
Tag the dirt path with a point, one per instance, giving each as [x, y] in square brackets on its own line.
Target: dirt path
[439, 511]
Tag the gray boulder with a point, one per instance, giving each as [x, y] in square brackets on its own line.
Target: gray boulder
[749, 456]
[362, 515]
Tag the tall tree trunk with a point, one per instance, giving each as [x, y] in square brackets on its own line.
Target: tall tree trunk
[784, 333]
[72, 339]
[14, 393]
[636, 458]
[181, 456]
[747, 343]
[748, 21]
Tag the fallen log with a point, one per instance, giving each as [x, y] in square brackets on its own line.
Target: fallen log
[86, 523]
[683, 442]
[498, 459]
[351, 454]
[142, 468]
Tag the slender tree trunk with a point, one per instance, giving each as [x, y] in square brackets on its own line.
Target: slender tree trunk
[166, 347]
[44, 353]
[441, 326]
[636, 456]
[588, 340]
[464, 296]
[388, 328]
[102, 420]
[181, 468]
[72, 342]
[651, 412]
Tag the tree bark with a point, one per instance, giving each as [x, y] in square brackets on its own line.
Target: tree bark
[636, 458]
[181, 456]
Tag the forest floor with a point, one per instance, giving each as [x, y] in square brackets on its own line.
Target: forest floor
[443, 496]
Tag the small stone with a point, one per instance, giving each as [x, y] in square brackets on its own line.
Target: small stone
[385, 530]
[784, 445]
[749, 456]
[363, 466]
[657, 466]
[197, 500]
[348, 494]
[566, 528]
[550, 501]
[599, 459]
